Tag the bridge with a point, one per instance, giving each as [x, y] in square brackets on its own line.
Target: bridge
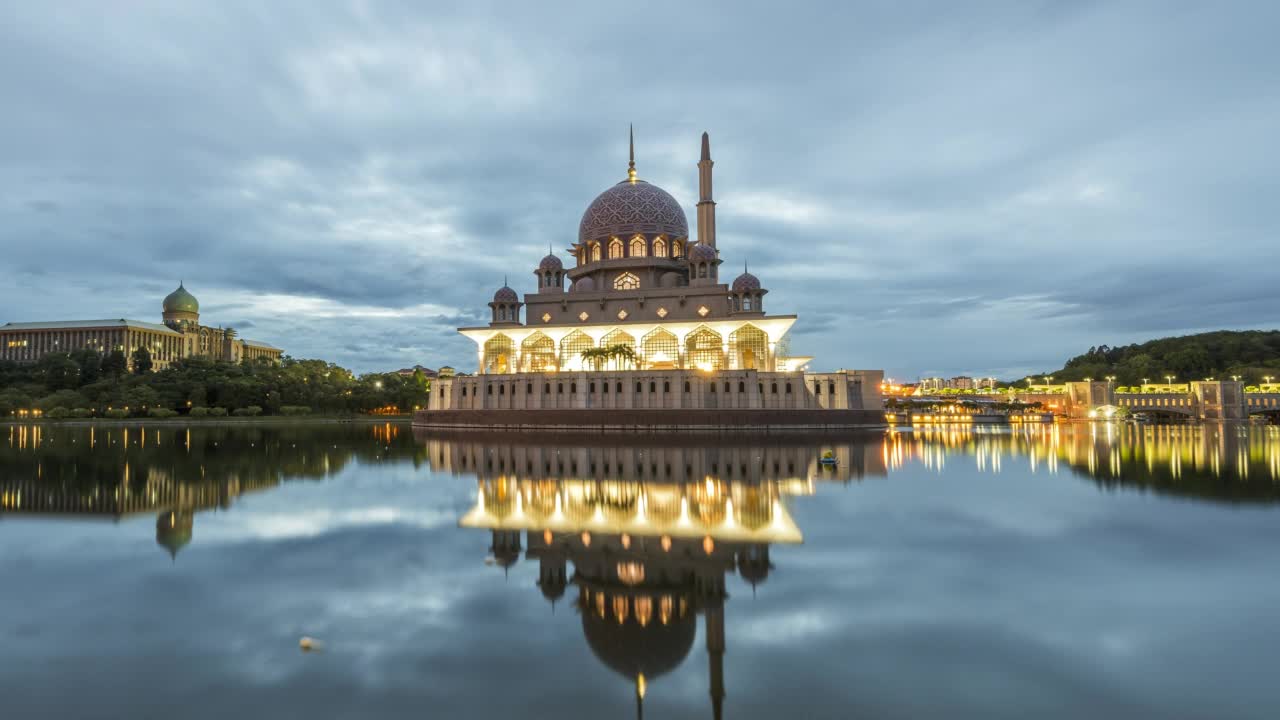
[1212, 400]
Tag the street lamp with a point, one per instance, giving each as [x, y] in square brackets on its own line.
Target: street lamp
[1169, 379]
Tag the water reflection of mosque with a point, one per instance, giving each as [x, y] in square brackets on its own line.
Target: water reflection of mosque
[651, 532]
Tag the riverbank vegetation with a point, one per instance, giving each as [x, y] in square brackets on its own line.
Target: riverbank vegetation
[1253, 356]
[89, 384]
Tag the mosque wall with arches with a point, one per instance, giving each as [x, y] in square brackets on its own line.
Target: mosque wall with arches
[660, 389]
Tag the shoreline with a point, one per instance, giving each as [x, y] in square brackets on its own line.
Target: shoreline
[267, 420]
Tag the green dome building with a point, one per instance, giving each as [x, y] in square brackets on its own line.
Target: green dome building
[181, 301]
[181, 308]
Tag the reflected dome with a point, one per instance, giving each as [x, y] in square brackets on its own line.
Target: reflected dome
[629, 648]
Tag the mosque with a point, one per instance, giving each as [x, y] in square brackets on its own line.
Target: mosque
[638, 328]
[180, 336]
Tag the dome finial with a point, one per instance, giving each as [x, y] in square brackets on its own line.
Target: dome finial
[631, 165]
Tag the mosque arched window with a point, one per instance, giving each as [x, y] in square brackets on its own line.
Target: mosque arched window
[619, 337]
[677, 248]
[538, 353]
[595, 252]
[704, 349]
[571, 350]
[615, 248]
[702, 270]
[626, 281]
[749, 346]
[746, 303]
[637, 246]
[498, 351]
[660, 349]
[659, 248]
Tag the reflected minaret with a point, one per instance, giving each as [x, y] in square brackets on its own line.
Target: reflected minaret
[505, 549]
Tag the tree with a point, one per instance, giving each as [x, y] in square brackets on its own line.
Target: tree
[63, 399]
[13, 399]
[114, 364]
[142, 360]
[90, 362]
[57, 371]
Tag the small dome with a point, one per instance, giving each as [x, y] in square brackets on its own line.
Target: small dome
[181, 301]
[702, 253]
[746, 281]
[505, 295]
[585, 284]
[630, 208]
[551, 262]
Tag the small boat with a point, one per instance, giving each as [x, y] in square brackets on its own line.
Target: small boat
[827, 459]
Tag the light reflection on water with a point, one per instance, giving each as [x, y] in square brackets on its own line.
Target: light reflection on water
[701, 576]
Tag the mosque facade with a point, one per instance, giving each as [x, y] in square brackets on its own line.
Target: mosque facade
[179, 335]
[639, 318]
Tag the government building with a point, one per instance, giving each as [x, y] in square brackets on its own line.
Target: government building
[181, 336]
[639, 320]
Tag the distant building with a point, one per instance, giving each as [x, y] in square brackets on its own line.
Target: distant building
[932, 385]
[408, 372]
[181, 336]
[961, 382]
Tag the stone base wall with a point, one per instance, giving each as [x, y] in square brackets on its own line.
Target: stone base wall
[654, 420]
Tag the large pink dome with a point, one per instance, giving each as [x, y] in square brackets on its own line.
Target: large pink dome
[631, 208]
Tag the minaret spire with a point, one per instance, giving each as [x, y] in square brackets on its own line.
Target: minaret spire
[631, 164]
[706, 206]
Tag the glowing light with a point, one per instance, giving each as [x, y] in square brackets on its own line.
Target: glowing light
[586, 539]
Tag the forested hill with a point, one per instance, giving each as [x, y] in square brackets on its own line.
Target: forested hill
[1252, 354]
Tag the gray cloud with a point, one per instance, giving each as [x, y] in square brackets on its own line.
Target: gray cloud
[355, 180]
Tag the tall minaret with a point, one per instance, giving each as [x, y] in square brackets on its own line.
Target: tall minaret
[706, 206]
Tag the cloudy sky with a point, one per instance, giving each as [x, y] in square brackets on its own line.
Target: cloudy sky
[932, 188]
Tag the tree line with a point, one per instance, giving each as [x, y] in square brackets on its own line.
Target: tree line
[100, 383]
[1253, 355]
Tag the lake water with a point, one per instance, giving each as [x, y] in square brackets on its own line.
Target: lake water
[1045, 572]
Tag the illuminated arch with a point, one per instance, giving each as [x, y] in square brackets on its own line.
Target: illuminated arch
[637, 246]
[571, 350]
[660, 350]
[660, 248]
[677, 248]
[619, 337]
[704, 349]
[499, 354]
[615, 248]
[595, 252]
[538, 353]
[749, 347]
[626, 281]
